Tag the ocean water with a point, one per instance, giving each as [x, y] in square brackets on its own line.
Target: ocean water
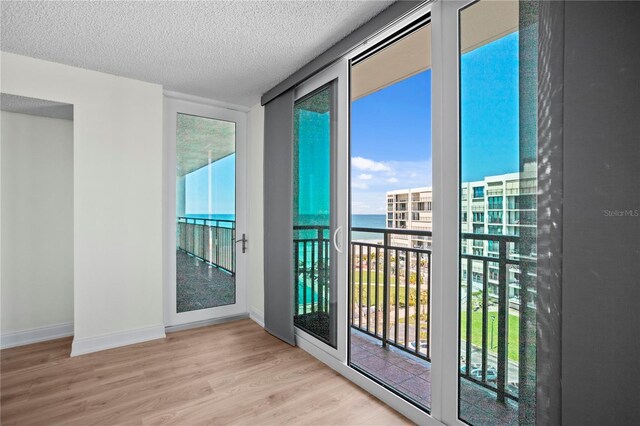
[215, 216]
[377, 221]
[357, 220]
[212, 216]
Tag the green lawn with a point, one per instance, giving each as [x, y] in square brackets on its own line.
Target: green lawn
[392, 291]
[476, 332]
[392, 288]
[476, 318]
[372, 277]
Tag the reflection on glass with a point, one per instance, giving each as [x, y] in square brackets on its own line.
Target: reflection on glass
[205, 211]
[497, 187]
[314, 300]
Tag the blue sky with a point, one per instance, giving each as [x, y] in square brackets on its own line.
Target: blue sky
[390, 142]
[212, 189]
[393, 124]
[391, 128]
[489, 104]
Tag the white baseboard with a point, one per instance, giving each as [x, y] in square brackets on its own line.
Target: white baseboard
[115, 340]
[204, 323]
[257, 316]
[35, 335]
[394, 401]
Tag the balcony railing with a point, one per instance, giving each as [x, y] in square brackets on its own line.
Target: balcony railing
[389, 285]
[390, 290]
[210, 240]
[477, 299]
[311, 250]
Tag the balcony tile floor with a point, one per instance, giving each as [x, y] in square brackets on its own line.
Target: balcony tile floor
[412, 376]
[201, 285]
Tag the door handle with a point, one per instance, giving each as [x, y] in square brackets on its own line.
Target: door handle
[244, 242]
[335, 239]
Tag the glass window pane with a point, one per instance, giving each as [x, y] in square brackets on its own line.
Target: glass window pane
[205, 211]
[497, 247]
[391, 216]
[314, 311]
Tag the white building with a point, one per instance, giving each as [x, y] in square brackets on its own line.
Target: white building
[497, 205]
[410, 209]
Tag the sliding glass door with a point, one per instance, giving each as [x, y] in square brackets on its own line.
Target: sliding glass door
[442, 308]
[497, 83]
[391, 214]
[314, 285]
[435, 292]
[318, 206]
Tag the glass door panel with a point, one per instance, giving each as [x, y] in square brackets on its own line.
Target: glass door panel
[314, 282]
[205, 213]
[497, 127]
[391, 216]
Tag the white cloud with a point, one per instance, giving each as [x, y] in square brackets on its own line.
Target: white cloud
[365, 176]
[368, 202]
[369, 165]
[369, 196]
[360, 206]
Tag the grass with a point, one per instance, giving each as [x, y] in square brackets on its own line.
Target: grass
[392, 296]
[476, 317]
[392, 288]
[372, 277]
[476, 332]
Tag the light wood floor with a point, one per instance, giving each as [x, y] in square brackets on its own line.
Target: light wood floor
[233, 373]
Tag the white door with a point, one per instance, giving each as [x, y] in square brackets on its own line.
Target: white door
[205, 212]
[320, 164]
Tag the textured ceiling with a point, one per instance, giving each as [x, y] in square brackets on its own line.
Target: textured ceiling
[33, 106]
[231, 51]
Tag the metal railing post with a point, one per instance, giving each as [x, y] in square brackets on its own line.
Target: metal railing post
[204, 224]
[360, 286]
[417, 332]
[304, 278]
[485, 315]
[296, 277]
[368, 286]
[407, 283]
[352, 284]
[192, 246]
[375, 328]
[396, 301]
[385, 291]
[469, 309]
[320, 269]
[232, 248]
[429, 306]
[217, 240]
[503, 321]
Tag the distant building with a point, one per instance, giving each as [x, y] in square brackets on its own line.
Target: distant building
[497, 205]
[410, 209]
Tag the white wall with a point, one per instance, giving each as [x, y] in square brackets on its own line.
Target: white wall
[255, 199]
[117, 194]
[37, 222]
